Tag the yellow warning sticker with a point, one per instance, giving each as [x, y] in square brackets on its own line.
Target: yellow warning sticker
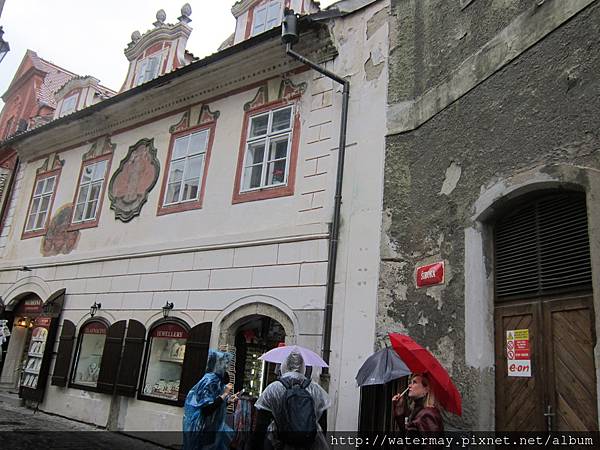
[521, 334]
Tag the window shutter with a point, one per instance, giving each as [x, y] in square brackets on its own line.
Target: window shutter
[543, 248]
[111, 356]
[132, 358]
[63, 358]
[260, 19]
[194, 361]
[273, 12]
[153, 67]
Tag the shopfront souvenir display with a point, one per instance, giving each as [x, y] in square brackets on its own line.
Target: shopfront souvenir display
[165, 359]
[35, 354]
[89, 355]
[41, 320]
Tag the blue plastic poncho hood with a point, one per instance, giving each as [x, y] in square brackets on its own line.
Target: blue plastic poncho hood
[207, 431]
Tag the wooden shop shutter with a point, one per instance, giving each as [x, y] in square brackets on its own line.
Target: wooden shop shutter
[194, 361]
[543, 248]
[111, 356]
[65, 351]
[132, 358]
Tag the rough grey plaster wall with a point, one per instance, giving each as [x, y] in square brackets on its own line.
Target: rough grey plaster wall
[540, 109]
[432, 37]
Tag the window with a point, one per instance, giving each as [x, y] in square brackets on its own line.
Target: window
[69, 105]
[90, 347]
[164, 362]
[186, 168]
[90, 189]
[266, 17]
[267, 149]
[187, 164]
[41, 202]
[148, 69]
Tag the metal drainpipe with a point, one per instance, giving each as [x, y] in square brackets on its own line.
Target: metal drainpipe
[335, 225]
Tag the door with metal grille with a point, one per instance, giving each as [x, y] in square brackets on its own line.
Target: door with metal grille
[543, 285]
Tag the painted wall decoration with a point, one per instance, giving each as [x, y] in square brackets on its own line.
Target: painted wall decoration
[59, 239]
[182, 125]
[133, 180]
[207, 116]
[102, 146]
[52, 162]
[286, 91]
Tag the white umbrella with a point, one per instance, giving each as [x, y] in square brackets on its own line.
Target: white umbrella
[279, 354]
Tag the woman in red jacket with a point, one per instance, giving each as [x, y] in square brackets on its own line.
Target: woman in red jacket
[424, 416]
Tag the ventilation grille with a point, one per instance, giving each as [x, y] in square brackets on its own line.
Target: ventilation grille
[543, 248]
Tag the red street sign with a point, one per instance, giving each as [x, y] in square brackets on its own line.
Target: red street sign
[430, 275]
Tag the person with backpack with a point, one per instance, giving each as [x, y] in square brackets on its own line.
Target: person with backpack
[292, 411]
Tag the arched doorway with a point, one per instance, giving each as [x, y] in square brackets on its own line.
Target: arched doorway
[22, 319]
[544, 315]
[255, 335]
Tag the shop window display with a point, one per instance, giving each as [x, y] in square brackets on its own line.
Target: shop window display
[253, 338]
[35, 354]
[91, 345]
[164, 361]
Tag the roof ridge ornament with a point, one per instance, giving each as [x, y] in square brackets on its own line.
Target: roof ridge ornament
[186, 12]
[161, 16]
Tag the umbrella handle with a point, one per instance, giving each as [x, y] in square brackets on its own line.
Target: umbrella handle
[404, 392]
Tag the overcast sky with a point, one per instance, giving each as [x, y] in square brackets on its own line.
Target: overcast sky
[88, 37]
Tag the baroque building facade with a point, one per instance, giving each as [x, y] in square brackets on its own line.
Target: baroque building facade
[192, 210]
[492, 168]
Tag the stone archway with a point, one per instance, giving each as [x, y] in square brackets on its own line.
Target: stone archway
[479, 266]
[247, 331]
[230, 323]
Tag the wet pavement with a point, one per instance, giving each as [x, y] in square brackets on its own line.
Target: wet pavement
[22, 428]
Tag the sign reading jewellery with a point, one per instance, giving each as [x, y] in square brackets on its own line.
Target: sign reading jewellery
[169, 331]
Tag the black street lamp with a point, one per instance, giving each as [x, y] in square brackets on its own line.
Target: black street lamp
[94, 308]
[167, 309]
[4, 47]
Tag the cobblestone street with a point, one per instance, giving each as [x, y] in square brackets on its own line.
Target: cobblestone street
[22, 428]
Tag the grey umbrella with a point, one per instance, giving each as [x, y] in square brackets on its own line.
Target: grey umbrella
[382, 367]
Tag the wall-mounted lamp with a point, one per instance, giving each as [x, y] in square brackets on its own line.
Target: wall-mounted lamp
[94, 308]
[22, 322]
[167, 309]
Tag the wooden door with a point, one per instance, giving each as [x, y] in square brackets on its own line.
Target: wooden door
[563, 374]
[571, 386]
[519, 400]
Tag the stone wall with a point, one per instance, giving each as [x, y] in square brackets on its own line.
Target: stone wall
[535, 112]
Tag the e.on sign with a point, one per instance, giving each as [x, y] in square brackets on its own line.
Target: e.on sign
[518, 354]
[430, 274]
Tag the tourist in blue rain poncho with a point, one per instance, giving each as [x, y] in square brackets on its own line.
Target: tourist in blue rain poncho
[205, 407]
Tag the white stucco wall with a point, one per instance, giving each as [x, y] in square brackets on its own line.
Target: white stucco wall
[207, 260]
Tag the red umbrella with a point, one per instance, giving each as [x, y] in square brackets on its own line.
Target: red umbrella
[420, 360]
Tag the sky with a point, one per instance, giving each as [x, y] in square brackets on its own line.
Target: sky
[88, 37]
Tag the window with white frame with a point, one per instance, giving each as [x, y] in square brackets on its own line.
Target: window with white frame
[186, 168]
[90, 189]
[266, 17]
[148, 69]
[40, 203]
[267, 149]
[69, 104]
